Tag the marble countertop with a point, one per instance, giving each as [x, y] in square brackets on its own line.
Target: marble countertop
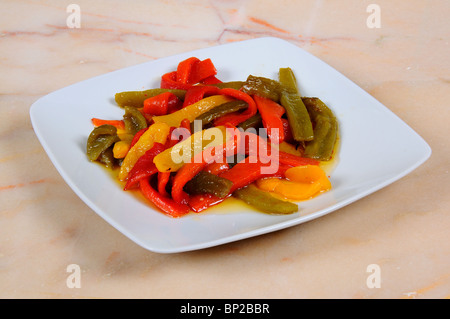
[396, 51]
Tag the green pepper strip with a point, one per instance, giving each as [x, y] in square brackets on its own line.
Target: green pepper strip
[232, 84]
[325, 130]
[137, 98]
[207, 183]
[296, 112]
[264, 87]
[254, 122]
[134, 120]
[101, 138]
[218, 111]
[107, 158]
[264, 201]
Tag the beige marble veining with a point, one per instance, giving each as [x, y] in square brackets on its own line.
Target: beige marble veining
[403, 228]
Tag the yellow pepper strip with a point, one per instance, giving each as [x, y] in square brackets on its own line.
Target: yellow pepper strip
[121, 149]
[156, 133]
[303, 182]
[172, 159]
[125, 136]
[191, 112]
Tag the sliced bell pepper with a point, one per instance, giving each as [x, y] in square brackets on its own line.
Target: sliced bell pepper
[297, 114]
[144, 166]
[156, 133]
[169, 81]
[202, 70]
[192, 70]
[184, 175]
[288, 137]
[325, 130]
[207, 183]
[271, 113]
[211, 80]
[219, 111]
[200, 202]
[241, 174]
[237, 85]
[264, 201]
[197, 93]
[137, 136]
[259, 148]
[248, 171]
[199, 147]
[263, 151]
[166, 204]
[137, 98]
[253, 122]
[163, 180]
[212, 154]
[121, 149]
[100, 139]
[303, 182]
[217, 168]
[235, 119]
[119, 124]
[291, 149]
[162, 104]
[265, 87]
[188, 73]
[186, 125]
[184, 70]
[191, 112]
[134, 120]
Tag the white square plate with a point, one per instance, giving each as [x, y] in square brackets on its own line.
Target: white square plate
[376, 147]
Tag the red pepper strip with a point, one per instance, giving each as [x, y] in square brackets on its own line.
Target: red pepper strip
[202, 70]
[197, 93]
[211, 80]
[248, 171]
[163, 179]
[235, 119]
[147, 116]
[288, 137]
[271, 113]
[169, 81]
[185, 69]
[167, 205]
[294, 160]
[217, 168]
[162, 104]
[186, 124]
[283, 157]
[144, 166]
[242, 174]
[120, 124]
[200, 202]
[137, 136]
[188, 73]
[170, 140]
[184, 175]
